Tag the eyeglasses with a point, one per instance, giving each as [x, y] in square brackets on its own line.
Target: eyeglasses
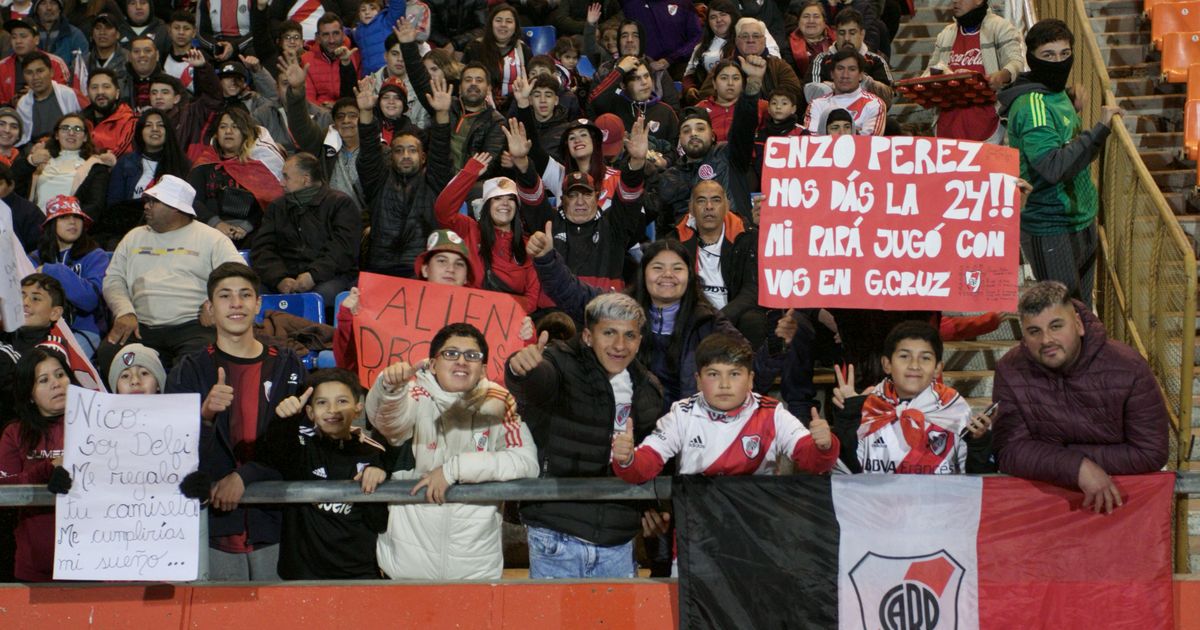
[751, 36]
[71, 129]
[293, 38]
[473, 356]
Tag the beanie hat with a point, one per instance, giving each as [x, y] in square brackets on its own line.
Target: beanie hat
[135, 355]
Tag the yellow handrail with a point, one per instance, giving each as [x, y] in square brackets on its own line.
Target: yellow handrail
[1146, 275]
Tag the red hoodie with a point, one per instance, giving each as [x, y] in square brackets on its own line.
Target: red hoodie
[115, 133]
[35, 526]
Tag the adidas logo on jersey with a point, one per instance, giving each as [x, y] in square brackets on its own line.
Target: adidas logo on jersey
[320, 472]
[696, 442]
[879, 441]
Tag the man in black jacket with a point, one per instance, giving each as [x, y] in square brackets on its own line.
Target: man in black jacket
[726, 256]
[576, 396]
[401, 187]
[309, 237]
[241, 381]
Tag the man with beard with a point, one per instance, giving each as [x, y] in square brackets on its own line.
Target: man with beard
[475, 124]
[705, 158]
[1058, 222]
[106, 50]
[112, 121]
[143, 65]
[23, 36]
[339, 153]
[402, 187]
[628, 93]
[851, 35]
[190, 116]
[332, 65]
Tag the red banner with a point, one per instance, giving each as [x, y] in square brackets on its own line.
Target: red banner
[892, 223]
[398, 317]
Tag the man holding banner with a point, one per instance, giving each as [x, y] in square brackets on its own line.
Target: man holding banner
[1058, 222]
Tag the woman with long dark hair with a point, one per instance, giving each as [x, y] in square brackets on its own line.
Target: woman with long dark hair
[496, 240]
[716, 44]
[236, 178]
[501, 51]
[68, 253]
[157, 152]
[68, 164]
[31, 447]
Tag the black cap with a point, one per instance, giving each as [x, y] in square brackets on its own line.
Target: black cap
[235, 68]
[106, 18]
[578, 179]
[838, 115]
[13, 23]
[695, 112]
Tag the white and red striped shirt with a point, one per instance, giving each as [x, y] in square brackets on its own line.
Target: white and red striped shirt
[180, 69]
[306, 13]
[744, 441]
[230, 18]
[869, 112]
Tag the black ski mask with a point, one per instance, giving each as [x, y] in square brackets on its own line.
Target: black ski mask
[1052, 74]
[973, 18]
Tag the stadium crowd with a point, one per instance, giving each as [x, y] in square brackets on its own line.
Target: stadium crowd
[167, 164]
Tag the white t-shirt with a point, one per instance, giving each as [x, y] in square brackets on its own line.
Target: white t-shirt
[708, 267]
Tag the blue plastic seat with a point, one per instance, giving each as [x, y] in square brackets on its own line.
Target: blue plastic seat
[245, 255]
[540, 39]
[585, 68]
[310, 306]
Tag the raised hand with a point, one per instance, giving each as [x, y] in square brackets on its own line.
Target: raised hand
[252, 63]
[218, 399]
[439, 98]
[292, 72]
[819, 429]
[345, 54]
[845, 386]
[754, 66]
[195, 58]
[397, 374]
[787, 327]
[518, 143]
[623, 446]
[365, 95]
[593, 13]
[224, 52]
[527, 329]
[529, 357]
[637, 143]
[521, 89]
[485, 159]
[292, 405]
[541, 243]
[405, 31]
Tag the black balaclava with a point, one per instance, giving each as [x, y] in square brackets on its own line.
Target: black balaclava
[973, 18]
[1052, 74]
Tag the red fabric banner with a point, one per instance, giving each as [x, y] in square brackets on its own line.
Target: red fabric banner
[398, 317]
[892, 223]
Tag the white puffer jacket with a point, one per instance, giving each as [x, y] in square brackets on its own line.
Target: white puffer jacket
[474, 436]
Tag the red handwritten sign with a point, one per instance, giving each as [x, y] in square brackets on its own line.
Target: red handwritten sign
[892, 223]
[398, 318]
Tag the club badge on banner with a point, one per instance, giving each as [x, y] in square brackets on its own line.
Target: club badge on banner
[893, 223]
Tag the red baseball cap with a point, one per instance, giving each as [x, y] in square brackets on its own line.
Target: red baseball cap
[612, 134]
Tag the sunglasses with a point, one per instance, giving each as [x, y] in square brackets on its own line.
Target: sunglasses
[472, 356]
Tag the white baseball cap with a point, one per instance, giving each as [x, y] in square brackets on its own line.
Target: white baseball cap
[498, 187]
[174, 192]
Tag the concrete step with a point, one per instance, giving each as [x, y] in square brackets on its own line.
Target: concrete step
[914, 29]
[926, 12]
[1157, 140]
[905, 65]
[912, 46]
[1117, 23]
[1169, 107]
[1101, 8]
[911, 113]
[962, 356]
[1125, 55]
[1175, 179]
[1124, 38]
[1146, 85]
[1137, 124]
[1139, 69]
[1180, 203]
[1161, 159]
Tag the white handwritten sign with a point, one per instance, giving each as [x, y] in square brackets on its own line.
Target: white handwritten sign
[125, 518]
[10, 273]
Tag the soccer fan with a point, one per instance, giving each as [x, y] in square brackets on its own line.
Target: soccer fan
[476, 436]
[189, 115]
[313, 438]
[909, 423]
[869, 110]
[501, 51]
[26, 217]
[374, 27]
[876, 75]
[182, 33]
[107, 52]
[24, 39]
[728, 83]
[143, 66]
[751, 42]
[716, 44]
[137, 370]
[58, 36]
[1058, 220]
[111, 120]
[237, 411]
[1074, 405]
[43, 303]
[156, 280]
[676, 28]
[628, 92]
[332, 65]
[631, 42]
[68, 253]
[156, 152]
[46, 100]
[812, 37]
[575, 396]
[141, 21]
[339, 150]
[11, 130]
[67, 164]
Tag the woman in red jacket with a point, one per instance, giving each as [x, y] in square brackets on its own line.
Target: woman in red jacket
[490, 239]
[31, 447]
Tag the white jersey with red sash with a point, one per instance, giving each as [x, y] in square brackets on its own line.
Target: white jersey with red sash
[920, 436]
[306, 13]
[179, 68]
[745, 441]
[229, 18]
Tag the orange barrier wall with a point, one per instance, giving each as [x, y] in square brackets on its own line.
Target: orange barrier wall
[517, 605]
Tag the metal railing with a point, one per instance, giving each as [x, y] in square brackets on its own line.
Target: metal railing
[1146, 276]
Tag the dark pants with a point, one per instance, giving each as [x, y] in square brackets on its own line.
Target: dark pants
[1067, 258]
[171, 342]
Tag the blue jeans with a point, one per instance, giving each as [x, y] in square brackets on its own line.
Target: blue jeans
[553, 554]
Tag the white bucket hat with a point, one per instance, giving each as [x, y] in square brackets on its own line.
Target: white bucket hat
[174, 192]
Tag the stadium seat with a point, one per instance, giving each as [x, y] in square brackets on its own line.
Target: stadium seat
[245, 255]
[1148, 6]
[1193, 90]
[1179, 50]
[540, 39]
[1174, 17]
[679, 87]
[1191, 129]
[310, 306]
[585, 68]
